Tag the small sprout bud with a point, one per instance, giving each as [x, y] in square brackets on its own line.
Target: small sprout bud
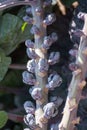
[73, 24]
[73, 52]
[29, 120]
[50, 110]
[49, 19]
[29, 107]
[54, 58]
[35, 30]
[31, 66]
[73, 66]
[81, 15]
[54, 80]
[56, 100]
[76, 46]
[36, 93]
[47, 3]
[28, 78]
[53, 98]
[54, 37]
[43, 65]
[38, 10]
[29, 43]
[29, 10]
[48, 40]
[28, 19]
[54, 126]
[31, 53]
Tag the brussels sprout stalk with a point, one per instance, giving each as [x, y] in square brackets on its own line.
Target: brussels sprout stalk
[77, 84]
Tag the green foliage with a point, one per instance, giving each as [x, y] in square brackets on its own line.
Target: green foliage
[4, 63]
[3, 118]
[11, 32]
[12, 79]
[68, 2]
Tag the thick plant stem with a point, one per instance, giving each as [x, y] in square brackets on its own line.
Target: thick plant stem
[42, 80]
[77, 83]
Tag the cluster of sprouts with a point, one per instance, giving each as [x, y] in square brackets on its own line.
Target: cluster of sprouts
[36, 74]
[78, 67]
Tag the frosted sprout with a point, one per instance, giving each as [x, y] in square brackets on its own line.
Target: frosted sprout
[54, 80]
[28, 78]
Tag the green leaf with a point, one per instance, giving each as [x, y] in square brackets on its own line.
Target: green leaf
[68, 2]
[12, 32]
[3, 118]
[4, 64]
[12, 79]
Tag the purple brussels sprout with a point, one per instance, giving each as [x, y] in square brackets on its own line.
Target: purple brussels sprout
[47, 3]
[49, 19]
[31, 66]
[28, 78]
[31, 53]
[54, 37]
[29, 120]
[29, 107]
[73, 66]
[49, 40]
[43, 65]
[54, 80]
[50, 110]
[73, 52]
[35, 30]
[54, 58]
[54, 126]
[81, 15]
[56, 100]
[28, 19]
[29, 43]
[36, 93]
[38, 10]
[29, 10]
